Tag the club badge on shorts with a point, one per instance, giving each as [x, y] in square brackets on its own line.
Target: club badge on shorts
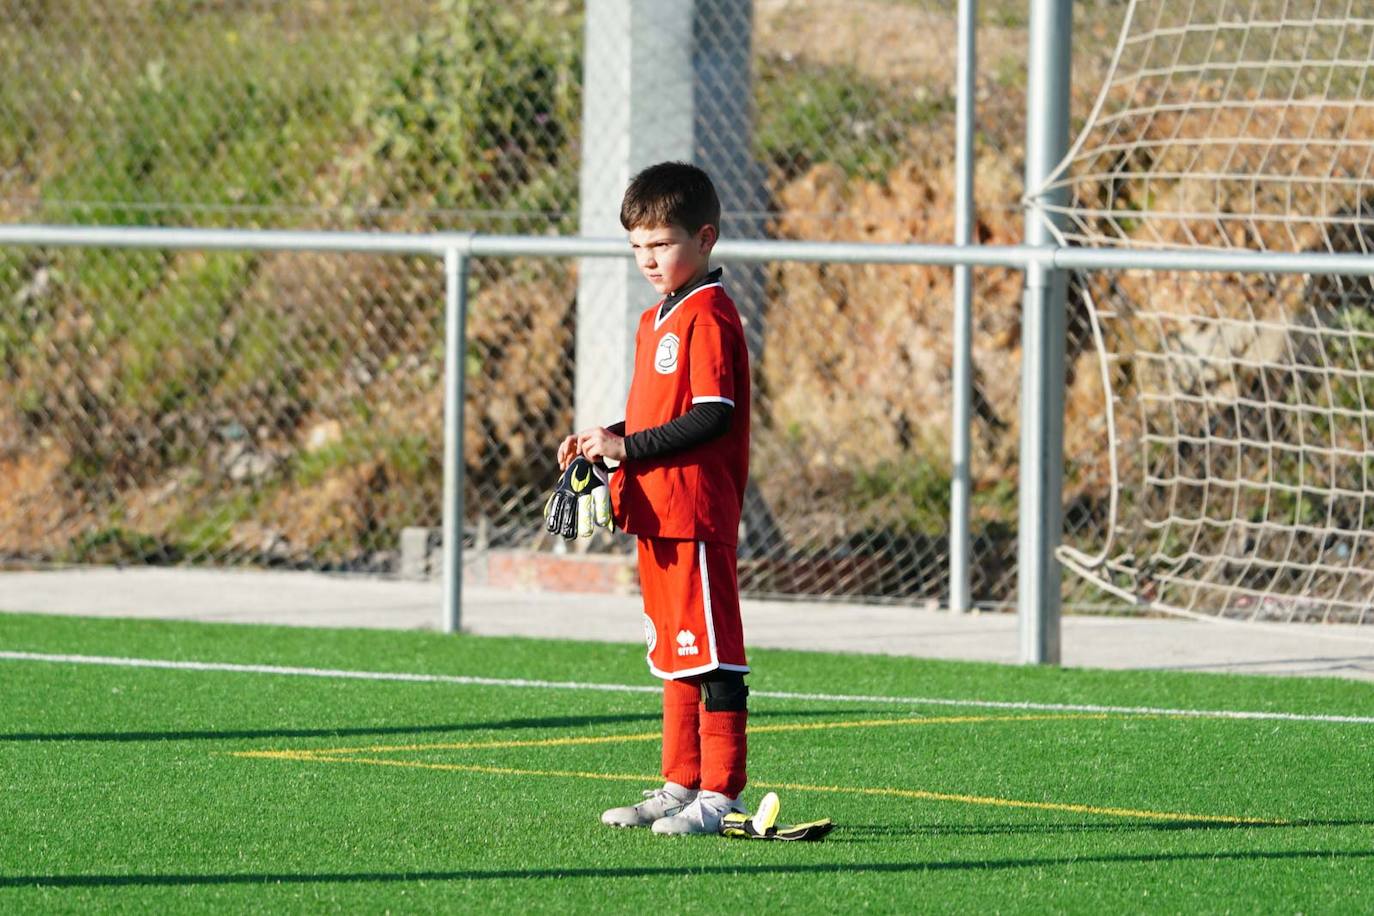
[665, 357]
[650, 634]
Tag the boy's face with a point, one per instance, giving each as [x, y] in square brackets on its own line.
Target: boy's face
[670, 257]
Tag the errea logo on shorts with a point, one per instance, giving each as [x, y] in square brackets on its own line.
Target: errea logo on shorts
[687, 643]
[665, 357]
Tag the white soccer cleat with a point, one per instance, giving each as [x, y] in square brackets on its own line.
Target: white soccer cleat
[703, 815]
[659, 803]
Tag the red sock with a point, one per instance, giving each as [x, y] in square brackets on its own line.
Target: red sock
[723, 749]
[681, 747]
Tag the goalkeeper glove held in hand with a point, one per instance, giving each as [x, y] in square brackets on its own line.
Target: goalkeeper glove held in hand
[580, 502]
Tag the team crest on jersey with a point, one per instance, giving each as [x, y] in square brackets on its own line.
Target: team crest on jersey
[665, 357]
[650, 634]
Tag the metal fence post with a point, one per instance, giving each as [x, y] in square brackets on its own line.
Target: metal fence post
[1042, 341]
[455, 362]
[960, 540]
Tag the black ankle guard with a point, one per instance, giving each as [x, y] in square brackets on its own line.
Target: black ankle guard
[725, 692]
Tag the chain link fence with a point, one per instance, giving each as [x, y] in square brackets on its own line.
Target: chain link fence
[285, 409]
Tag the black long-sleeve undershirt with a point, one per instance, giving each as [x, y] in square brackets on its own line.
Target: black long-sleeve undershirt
[704, 422]
[701, 423]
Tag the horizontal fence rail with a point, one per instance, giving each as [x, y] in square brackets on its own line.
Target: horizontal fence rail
[478, 245]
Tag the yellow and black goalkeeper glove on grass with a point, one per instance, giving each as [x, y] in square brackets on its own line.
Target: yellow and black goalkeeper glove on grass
[580, 502]
[763, 825]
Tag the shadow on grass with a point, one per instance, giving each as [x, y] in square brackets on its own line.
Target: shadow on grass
[240, 734]
[274, 733]
[516, 874]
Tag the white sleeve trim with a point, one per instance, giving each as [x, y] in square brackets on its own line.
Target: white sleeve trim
[712, 399]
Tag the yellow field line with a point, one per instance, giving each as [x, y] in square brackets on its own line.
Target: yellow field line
[654, 736]
[1016, 803]
[322, 757]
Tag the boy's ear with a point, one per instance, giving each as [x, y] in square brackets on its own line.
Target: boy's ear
[706, 238]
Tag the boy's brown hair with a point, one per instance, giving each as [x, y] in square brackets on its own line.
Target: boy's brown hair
[671, 194]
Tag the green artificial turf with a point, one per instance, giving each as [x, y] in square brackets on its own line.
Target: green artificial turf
[121, 788]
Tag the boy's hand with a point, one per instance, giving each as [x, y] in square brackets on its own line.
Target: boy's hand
[567, 451]
[599, 443]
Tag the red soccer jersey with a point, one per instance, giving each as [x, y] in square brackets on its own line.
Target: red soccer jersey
[694, 354]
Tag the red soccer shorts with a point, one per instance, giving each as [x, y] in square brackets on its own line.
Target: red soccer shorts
[691, 607]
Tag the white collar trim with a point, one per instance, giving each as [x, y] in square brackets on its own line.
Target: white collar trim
[659, 319]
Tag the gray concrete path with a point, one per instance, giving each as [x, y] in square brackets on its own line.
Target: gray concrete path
[312, 599]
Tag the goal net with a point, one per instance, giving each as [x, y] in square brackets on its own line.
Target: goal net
[1238, 405]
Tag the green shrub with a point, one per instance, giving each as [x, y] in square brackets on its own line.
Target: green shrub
[482, 110]
[116, 544]
[913, 495]
[809, 114]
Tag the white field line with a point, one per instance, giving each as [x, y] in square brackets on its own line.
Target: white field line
[640, 688]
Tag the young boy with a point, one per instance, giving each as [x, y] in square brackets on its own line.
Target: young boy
[683, 449]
